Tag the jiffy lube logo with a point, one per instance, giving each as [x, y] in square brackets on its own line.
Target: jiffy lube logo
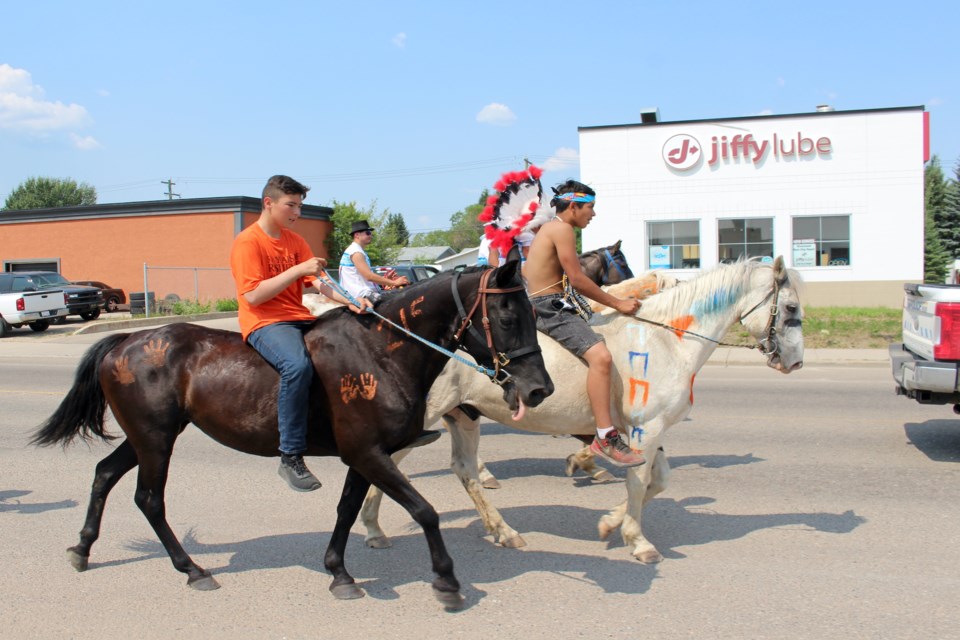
[682, 152]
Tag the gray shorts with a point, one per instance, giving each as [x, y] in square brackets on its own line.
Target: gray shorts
[564, 324]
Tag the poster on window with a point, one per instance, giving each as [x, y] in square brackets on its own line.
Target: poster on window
[805, 253]
[659, 256]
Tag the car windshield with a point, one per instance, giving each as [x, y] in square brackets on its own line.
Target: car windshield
[48, 280]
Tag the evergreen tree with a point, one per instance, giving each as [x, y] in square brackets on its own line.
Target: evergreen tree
[936, 259]
[46, 193]
[398, 227]
[949, 230]
[384, 248]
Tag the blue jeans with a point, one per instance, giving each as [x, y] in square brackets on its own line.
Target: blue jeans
[281, 344]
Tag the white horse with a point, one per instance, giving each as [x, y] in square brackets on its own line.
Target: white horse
[656, 356]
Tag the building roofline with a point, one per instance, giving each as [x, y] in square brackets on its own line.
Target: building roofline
[229, 204]
[806, 114]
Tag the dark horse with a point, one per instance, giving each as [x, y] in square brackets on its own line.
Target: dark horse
[367, 401]
[606, 265]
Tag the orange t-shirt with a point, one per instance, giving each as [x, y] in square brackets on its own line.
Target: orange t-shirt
[256, 257]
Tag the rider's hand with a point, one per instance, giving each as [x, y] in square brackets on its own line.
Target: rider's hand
[312, 267]
[401, 281]
[365, 305]
[628, 306]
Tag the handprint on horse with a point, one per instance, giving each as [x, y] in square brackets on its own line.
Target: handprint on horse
[367, 401]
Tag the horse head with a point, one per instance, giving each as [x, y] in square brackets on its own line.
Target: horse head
[774, 315]
[507, 339]
[606, 265]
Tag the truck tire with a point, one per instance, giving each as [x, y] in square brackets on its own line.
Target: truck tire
[90, 315]
[40, 325]
[4, 328]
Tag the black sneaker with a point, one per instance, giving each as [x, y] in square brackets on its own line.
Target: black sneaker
[615, 450]
[295, 472]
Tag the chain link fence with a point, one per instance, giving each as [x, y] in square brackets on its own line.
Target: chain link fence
[166, 286]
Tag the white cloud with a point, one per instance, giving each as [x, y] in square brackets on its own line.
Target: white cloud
[84, 143]
[934, 102]
[562, 159]
[496, 114]
[399, 40]
[23, 108]
[103, 93]
[765, 112]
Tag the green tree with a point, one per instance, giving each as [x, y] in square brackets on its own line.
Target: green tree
[465, 229]
[949, 227]
[45, 193]
[384, 248]
[936, 259]
[398, 227]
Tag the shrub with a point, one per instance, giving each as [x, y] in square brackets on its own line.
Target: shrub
[226, 304]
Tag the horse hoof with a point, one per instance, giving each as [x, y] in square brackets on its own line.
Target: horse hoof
[649, 556]
[379, 542]
[77, 561]
[490, 483]
[603, 476]
[347, 592]
[513, 542]
[203, 582]
[571, 465]
[451, 600]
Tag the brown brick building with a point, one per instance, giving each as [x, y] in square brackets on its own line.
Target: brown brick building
[185, 244]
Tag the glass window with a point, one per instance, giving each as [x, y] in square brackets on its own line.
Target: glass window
[674, 245]
[744, 238]
[821, 241]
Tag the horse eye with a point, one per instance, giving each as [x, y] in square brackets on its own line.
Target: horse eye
[506, 323]
[792, 308]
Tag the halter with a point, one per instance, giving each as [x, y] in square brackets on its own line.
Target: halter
[499, 358]
[610, 262]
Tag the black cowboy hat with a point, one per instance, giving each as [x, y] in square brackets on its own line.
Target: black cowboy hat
[359, 225]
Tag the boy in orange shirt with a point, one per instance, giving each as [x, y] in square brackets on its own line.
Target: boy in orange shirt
[272, 266]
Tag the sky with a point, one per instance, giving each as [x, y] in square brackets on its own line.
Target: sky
[415, 108]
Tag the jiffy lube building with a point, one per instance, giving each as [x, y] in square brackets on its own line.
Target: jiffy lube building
[839, 194]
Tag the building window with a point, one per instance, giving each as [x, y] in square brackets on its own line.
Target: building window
[744, 238]
[821, 241]
[674, 245]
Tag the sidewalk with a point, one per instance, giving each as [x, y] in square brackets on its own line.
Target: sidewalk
[75, 344]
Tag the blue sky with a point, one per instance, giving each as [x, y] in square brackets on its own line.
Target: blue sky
[420, 106]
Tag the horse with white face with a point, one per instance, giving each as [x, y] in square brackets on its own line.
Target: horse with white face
[656, 356]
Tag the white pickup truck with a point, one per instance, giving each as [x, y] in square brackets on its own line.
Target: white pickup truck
[33, 308]
[926, 364]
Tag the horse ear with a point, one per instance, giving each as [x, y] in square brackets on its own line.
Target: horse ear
[779, 271]
[507, 273]
[514, 253]
[616, 245]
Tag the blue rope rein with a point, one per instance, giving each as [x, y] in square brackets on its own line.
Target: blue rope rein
[490, 373]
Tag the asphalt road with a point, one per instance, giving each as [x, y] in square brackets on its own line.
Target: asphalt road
[814, 505]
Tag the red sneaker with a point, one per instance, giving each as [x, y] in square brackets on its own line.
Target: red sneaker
[616, 451]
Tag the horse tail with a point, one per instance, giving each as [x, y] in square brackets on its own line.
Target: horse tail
[81, 412]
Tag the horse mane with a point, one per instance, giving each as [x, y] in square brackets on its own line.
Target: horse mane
[710, 291]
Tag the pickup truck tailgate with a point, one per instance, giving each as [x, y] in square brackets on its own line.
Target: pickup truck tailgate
[46, 303]
[921, 327]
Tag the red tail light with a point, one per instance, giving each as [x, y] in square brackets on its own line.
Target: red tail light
[948, 348]
[66, 299]
[21, 304]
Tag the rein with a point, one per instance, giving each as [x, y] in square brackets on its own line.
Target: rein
[768, 345]
[610, 262]
[499, 359]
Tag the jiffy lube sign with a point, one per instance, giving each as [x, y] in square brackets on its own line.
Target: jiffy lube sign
[684, 152]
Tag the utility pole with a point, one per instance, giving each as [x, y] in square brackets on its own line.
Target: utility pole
[526, 163]
[170, 193]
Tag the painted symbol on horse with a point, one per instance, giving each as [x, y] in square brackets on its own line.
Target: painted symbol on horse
[204, 366]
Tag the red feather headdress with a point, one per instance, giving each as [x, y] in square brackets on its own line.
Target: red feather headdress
[515, 208]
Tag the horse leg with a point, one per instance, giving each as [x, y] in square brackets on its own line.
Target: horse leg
[388, 478]
[642, 485]
[585, 461]
[370, 511]
[108, 473]
[149, 497]
[487, 479]
[464, 439]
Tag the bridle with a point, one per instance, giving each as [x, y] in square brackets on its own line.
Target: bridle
[499, 358]
[769, 344]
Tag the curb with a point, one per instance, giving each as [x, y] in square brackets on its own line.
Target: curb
[119, 325]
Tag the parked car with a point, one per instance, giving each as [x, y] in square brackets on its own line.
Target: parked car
[413, 272]
[112, 298]
[81, 300]
[21, 304]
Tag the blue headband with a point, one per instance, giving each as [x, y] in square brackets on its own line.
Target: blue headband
[575, 197]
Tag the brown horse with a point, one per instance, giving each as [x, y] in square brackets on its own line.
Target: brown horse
[606, 265]
[367, 401]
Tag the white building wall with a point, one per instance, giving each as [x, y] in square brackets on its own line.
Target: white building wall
[873, 172]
